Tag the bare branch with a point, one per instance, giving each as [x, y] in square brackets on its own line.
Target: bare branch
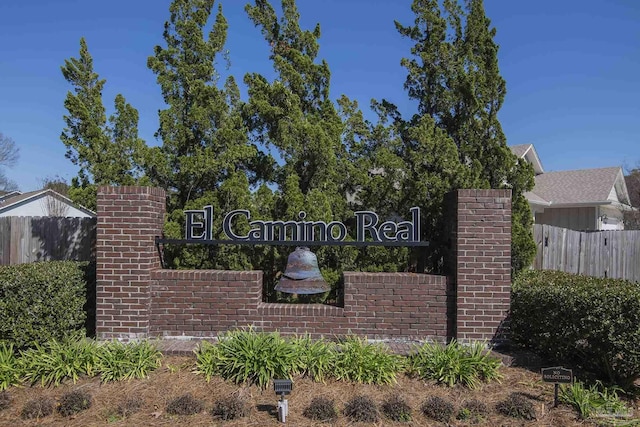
[9, 152]
[6, 184]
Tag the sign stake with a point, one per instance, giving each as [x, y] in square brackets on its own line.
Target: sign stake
[557, 375]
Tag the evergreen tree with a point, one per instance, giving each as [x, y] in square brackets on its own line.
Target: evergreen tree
[453, 75]
[295, 116]
[107, 153]
[205, 157]
[413, 163]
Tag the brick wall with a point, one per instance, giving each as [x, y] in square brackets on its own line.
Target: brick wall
[203, 303]
[129, 219]
[481, 239]
[136, 298]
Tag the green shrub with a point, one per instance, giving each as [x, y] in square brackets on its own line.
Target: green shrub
[10, 371]
[37, 408]
[582, 321]
[118, 361]
[185, 405]
[595, 399]
[245, 356]
[316, 359]
[90, 298]
[454, 364]
[396, 408]
[362, 409]
[42, 301]
[517, 406]
[321, 409]
[56, 361]
[438, 409]
[207, 359]
[362, 362]
[73, 402]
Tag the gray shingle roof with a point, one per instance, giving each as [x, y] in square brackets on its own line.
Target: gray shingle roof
[519, 150]
[535, 199]
[6, 195]
[576, 186]
[18, 197]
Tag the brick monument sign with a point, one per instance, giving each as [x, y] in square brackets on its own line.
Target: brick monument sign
[136, 298]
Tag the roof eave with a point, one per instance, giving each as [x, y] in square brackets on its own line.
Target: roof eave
[536, 163]
[53, 194]
[538, 203]
[580, 204]
[22, 201]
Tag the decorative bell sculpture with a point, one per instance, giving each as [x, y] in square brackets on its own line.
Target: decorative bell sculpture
[302, 275]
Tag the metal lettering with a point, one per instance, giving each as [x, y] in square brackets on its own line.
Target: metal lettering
[363, 225]
[277, 230]
[342, 231]
[226, 224]
[388, 231]
[199, 223]
[192, 223]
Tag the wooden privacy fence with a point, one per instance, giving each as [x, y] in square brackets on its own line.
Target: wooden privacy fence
[30, 239]
[614, 254]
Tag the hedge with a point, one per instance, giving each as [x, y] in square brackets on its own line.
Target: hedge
[589, 322]
[42, 301]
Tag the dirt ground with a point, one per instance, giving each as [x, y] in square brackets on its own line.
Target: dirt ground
[175, 378]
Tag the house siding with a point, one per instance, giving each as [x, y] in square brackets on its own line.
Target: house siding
[614, 218]
[581, 219]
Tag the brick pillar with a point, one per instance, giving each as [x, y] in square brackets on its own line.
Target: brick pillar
[129, 219]
[481, 239]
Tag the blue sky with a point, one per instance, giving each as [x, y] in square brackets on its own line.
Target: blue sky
[572, 69]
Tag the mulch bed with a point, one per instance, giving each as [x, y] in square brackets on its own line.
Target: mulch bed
[175, 378]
